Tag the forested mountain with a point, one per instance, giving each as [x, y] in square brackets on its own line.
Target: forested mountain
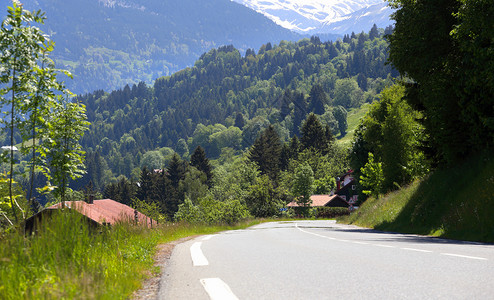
[226, 99]
[107, 44]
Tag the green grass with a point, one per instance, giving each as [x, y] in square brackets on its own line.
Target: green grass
[353, 119]
[66, 260]
[456, 203]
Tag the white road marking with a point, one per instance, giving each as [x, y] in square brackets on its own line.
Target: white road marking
[388, 246]
[319, 235]
[464, 256]
[217, 289]
[384, 246]
[208, 237]
[360, 243]
[417, 250]
[198, 258]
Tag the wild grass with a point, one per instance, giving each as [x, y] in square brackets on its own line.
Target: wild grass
[353, 119]
[68, 260]
[456, 203]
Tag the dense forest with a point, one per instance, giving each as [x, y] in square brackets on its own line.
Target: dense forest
[226, 100]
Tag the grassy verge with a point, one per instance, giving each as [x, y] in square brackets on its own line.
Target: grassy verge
[68, 261]
[456, 203]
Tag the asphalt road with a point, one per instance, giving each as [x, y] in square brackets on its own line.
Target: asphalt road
[324, 260]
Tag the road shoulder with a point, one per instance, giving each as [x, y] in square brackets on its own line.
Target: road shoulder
[151, 286]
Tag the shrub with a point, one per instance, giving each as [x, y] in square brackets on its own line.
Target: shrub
[211, 211]
[330, 212]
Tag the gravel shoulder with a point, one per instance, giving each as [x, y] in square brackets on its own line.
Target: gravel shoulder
[151, 286]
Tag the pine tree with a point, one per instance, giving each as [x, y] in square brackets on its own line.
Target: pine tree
[313, 135]
[317, 99]
[284, 157]
[329, 134]
[266, 152]
[286, 100]
[176, 170]
[146, 185]
[239, 121]
[300, 111]
[201, 162]
[294, 147]
[373, 33]
[174, 195]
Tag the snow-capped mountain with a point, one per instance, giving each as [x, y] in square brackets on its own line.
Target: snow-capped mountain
[323, 16]
[361, 20]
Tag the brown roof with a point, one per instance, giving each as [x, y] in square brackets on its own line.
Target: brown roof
[106, 211]
[319, 200]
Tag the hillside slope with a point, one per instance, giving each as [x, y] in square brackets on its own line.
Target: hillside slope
[456, 203]
[226, 99]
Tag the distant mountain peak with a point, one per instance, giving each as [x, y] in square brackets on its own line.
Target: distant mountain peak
[120, 3]
[316, 16]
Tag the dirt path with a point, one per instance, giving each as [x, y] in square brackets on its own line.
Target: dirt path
[151, 286]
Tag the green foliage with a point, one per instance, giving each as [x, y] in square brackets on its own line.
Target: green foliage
[21, 46]
[20, 205]
[265, 152]
[340, 114]
[65, 155]
[189, 212]
[153, 160]
[194, 184]
[67, 260]
[330, 212]
[324, 185]
[200, 104]
[391, 132]
[474, 34]
[372, 177]
[454, 202]
[210, 211]
[347, 93]
[263, 200]
[450, 70]
[314, 136]
[149, 209]
[303, 184]
[232, 181]
[201, 162]
[35, 103]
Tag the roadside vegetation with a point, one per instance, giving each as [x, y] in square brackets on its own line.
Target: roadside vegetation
[455, 202]
[67, 260]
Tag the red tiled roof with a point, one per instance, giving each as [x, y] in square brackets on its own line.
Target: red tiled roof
[318, 200]
[106, 211]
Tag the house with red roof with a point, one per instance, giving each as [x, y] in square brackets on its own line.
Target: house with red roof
[324, 201]
[98, 212]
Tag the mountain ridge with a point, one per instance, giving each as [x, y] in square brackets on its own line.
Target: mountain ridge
[107, 44]
[322, 16]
